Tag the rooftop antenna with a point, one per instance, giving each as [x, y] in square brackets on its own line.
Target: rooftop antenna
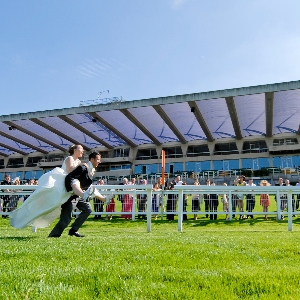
[102, 99]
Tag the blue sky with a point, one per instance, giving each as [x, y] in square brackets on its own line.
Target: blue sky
[56, 53]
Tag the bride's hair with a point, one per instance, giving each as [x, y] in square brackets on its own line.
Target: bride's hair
[73, 148]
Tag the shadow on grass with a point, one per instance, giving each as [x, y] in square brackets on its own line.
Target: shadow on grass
[118, 220]
[18, 238]
[202, 221]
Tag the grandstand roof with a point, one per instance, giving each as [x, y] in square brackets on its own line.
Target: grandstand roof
[264, 110]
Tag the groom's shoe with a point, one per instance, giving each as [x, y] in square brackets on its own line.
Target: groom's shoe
[54, 235]
[72, 232]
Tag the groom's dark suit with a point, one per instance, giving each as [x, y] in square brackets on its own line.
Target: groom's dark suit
[81, 173]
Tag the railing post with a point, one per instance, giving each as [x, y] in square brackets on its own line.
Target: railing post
[290, 211]
[279, 214]
[149, 209]
[180, 209]
[134, 203]
[162, 206]
[230, 205]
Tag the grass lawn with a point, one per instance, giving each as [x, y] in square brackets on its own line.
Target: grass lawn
[118, 259]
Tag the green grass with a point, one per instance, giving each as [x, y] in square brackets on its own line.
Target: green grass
[118, 259]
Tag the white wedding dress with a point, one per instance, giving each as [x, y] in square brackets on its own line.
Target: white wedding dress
[44, 205]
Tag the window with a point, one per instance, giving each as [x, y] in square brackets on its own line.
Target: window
[291, 141]
[225, 149]
[2, 166]
[105, 154]
[15, 163]
[33, 161]
[197, 150]
[144, 154]
[255, 147]
[173, 152]
[123, 152]
[278, 142]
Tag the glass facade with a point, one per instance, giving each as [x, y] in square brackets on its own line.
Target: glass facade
[286, 161]
[197, 166]
[255, 163]
[35, 174]
[146, 169]
[119, 167]
[225, 165]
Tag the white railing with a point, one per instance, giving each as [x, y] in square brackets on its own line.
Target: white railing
[135, 190]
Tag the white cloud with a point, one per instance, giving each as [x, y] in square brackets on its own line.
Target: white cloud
[97, 67]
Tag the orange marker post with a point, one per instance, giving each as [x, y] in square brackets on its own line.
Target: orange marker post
[163, 163]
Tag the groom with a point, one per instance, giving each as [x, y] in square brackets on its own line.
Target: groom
[82, 174]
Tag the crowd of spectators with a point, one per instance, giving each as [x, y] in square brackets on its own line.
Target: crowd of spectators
[244, 204]
[10, 202]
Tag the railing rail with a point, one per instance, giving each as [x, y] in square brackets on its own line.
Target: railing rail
[135, 190]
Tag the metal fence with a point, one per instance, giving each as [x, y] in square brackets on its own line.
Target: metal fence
[285, 196]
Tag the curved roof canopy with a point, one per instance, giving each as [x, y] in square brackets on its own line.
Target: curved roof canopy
[264, 110]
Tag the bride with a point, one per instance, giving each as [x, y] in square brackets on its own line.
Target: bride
[43, 205]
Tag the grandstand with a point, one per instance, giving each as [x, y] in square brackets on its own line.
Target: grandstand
[252, 130]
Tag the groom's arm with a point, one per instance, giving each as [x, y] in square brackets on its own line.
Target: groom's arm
[75, 174]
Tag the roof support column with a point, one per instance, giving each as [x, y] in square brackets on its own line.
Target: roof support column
[234, 117]
[269, 102]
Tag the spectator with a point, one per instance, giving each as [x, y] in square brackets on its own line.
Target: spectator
[214, 203]
[178, 180]
[156, 199]
[185, 199]
[111, 207]
[6, 198]
[240, 196]
[160, 183]
[14, 199]
[98, 204]
[287, 183]
[207, 199]
[298, 195]
[265, 198]
[196, 201]
[142, 202]
[121, 196]
[127, 202]
[234, 198]
[224, 200]
[31, 182]
[171, 203]
[283, 199]
[250, 202]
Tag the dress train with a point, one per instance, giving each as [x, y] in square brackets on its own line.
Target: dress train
[43, 205]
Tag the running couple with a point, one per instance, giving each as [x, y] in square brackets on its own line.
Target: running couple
[55, 192]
